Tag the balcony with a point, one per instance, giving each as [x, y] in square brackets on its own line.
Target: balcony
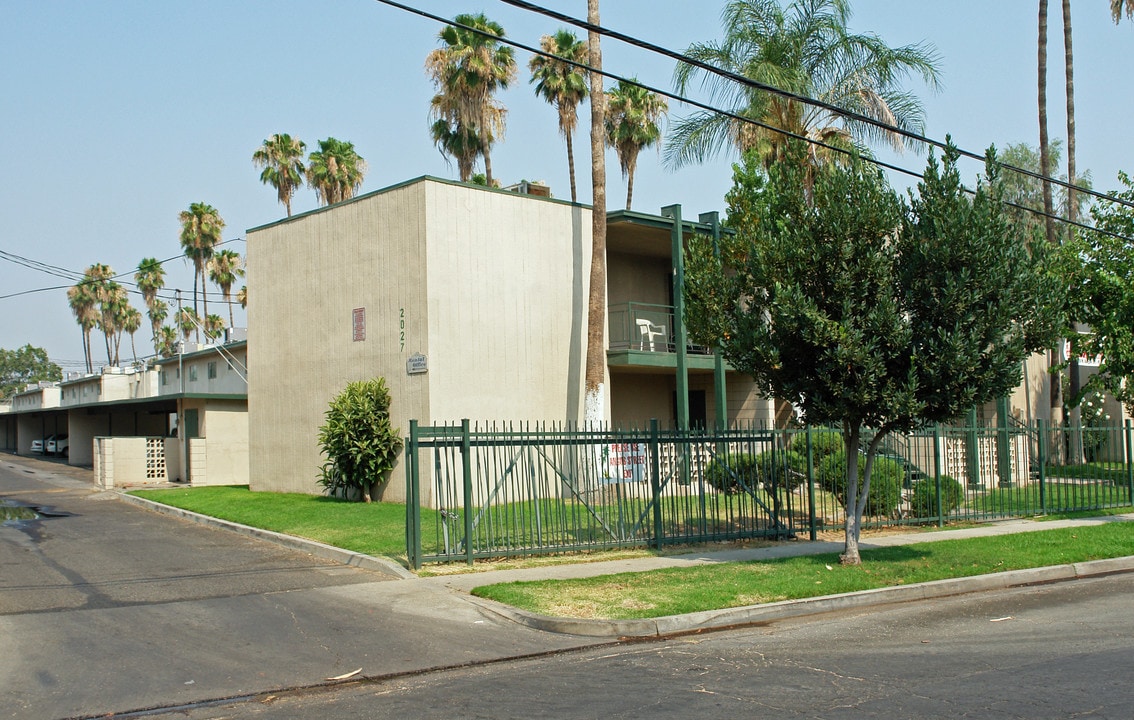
[642, 334]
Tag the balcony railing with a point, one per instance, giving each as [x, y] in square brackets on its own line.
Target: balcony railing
[645, 327]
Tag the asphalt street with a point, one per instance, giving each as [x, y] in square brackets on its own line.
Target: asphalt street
[1052, 651]
[106, 607]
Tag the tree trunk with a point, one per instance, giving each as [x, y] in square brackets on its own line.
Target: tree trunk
[571, 167]
[487, 167]
[1072, 216]
[204, 302]
[851, 516]
[1055, 354]
[594, 402]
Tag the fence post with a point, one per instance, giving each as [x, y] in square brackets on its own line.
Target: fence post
[413, 500]
[1042, 442]
[466, 474]
[655, 480]
[1129, 465]
[810, 487]
[937, 473]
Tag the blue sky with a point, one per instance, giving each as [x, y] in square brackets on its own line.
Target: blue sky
[117, 115]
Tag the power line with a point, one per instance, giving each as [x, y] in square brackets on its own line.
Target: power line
[735, 116]
[829, 107]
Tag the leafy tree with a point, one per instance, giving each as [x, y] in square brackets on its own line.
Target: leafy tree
[213, 326]
[165, 342]
[359, 441]
[563, 85]
[868, 313]
[131, 321]
[224, 269]
[281, 156]
[455, 141]
[25, 365]
[335, 171]
[806, 49]
[114, 309]
[1104, 296]
[468, 69]
[632, 124]
[150, 279]
[201, 227]
[83, 301]
[1027, 190]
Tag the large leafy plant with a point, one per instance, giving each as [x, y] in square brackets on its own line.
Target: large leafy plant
[359, 441]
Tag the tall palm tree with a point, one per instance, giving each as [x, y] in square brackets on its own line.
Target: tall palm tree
[165, 342]
[563, 85]
[201, 227]
[131, 321]
[281, 156]
[468, 69]
[157, 313]
[1044, 145]
[150, 279]
[224, 269]
[214, 326]
[335, 171]
[114, 306]
[1117, 7]
[188, 322]
[805, 49]
[594, 377]
[632, 124]
[83, 301]
[99, 277]
[454, 140]
[242, 296]
[1069, 71]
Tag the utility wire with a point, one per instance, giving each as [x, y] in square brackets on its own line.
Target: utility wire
[741, 118]
[829, 107]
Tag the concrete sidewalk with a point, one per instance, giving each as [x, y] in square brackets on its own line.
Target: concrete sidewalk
[451, 593]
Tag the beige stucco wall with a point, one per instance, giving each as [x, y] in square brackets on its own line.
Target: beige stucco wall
[223, 458]
[490, 287]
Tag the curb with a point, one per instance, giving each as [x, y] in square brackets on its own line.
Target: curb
[312, 547]
[754, 614]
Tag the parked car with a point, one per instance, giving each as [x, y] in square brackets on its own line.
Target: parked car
[38, 444]
[58, 445]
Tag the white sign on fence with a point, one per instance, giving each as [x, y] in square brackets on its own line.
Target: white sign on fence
[624, 462]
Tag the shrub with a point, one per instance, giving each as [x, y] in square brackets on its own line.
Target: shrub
[726, 473]
[824, 443]
[359, 441]
[790, 468]
[923, 501]
[885, 482]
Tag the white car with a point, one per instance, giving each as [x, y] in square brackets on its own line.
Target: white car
[38, 444]
[58, 445]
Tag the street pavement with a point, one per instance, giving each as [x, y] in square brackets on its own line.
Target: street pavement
[111, 607]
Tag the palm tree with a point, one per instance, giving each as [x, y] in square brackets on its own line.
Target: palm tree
[335, 171]
[224, 268]
[632, 124]
[201, 227]
[594, 377]
[187, 322]
[455, 141]
[82, 300]
[214, 326]
[562, 84]
[242, 296]
[165, 342]
[281, 156]
[1072, 178]
[158, 312]
[805, 49]
[114, 306]
[131, 321]
[1044, 145]
[150, 279]
[468, 69]
[99, 278]
[1117, 7]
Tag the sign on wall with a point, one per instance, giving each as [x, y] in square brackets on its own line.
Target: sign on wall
[359, 324]
[625, 462]
[417, 364]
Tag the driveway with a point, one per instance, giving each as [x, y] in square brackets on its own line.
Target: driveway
[106, 607]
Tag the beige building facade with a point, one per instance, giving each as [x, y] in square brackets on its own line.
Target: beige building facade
[470, 302]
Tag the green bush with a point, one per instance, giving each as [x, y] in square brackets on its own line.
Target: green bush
[923, 501]
[885, 482]
[824, 443]
[790, 468]
[359, 441]
[726, 473]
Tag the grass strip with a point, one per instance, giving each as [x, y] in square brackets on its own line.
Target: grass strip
[370, 528]
[710, 587]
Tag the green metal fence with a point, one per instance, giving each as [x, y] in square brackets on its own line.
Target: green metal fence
[516, 490]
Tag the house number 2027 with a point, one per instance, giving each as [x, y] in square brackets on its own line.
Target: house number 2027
[402, 327]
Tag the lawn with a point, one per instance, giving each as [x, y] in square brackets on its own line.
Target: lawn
[708, 587]
[370, 528]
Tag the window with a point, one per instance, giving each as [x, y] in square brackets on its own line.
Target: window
[192, 373]
[164, 377]
[213, 370]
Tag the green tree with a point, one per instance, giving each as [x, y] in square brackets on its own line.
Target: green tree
[335, 171]
[114, 308]
[157, 314]
[805, 49]
[1026, 191]
[281, 157]
[188, 322]
[1104, 296]
[83, 302]
[632, 124]
[359, 441]
[201, 228]
[165, 342]
[225, 267]
[242, 296]
[131, 321]
[869, 314]
[468, 69]
[454, 140]
[23, 366]
[563, 85]
[150, 279]
[214, 327]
